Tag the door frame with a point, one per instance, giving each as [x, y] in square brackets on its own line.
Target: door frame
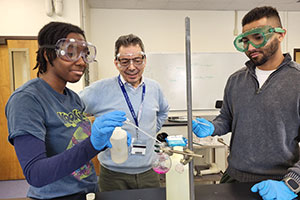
[296, 52]
[11, 170]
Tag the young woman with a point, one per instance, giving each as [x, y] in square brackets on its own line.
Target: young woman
[52, 136]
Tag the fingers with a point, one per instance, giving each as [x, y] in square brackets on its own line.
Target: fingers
[107, 130]
[254, 188]
[108, 144]
[194, 125]
[129, 139]
[116, 112]
[114, 116]
[202, 120]
[263, 188]
[111, 124]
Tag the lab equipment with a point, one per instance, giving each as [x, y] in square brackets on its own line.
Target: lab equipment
[127, 121]
[162, 163]
[119, 149]
[202, 130]
[103, 128]
[271, 189]
[70, 49]
[257, 37]
[176, 140]
[213, 169]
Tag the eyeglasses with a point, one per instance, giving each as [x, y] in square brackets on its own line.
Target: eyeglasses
[257, 37]
[72, 50]
[138, 61]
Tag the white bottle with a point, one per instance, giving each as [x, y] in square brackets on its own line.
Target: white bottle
[90, 196]
[119, 150]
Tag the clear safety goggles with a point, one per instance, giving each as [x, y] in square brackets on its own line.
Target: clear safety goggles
[137, 61]
[257, 37]
[72, 50]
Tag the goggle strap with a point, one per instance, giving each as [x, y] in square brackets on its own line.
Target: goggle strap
[279, 30]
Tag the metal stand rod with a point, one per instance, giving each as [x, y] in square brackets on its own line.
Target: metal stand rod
[189, 102]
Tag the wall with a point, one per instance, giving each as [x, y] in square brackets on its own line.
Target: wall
[293, 29]
[163, 31]
[27, 17]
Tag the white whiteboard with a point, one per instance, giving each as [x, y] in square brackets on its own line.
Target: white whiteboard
[210, 72]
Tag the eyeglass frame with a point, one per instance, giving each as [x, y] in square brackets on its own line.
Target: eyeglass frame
[269, 30]
[132, 60]
[60, 51]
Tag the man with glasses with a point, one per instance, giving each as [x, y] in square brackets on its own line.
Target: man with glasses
[144, 104]
[261, 107]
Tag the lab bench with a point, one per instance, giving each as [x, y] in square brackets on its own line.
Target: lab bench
[228, 191]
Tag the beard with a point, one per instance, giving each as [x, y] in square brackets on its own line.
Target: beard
[267, 52]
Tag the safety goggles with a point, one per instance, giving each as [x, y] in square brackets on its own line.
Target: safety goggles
[137, 61]
[257, 37]
[72, 50]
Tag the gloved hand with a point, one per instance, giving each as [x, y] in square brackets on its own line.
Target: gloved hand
[271, 189]
[129, 138]
[103, 128]
[202, 130]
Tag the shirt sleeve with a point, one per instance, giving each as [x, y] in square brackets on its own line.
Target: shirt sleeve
[162, 114]
[37, 166]
[223, 121]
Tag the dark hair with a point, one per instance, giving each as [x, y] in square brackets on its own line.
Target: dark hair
[261, 12]
[48, 36]
[127, 40]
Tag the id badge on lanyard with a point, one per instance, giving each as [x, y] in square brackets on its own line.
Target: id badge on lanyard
[138, 146]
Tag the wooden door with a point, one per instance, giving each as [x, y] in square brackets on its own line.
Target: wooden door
[9, 165]
[297, 55]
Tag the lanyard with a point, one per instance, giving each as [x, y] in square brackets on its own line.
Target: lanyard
[136, 118]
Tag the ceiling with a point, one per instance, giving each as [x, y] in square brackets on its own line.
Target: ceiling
[281, 5]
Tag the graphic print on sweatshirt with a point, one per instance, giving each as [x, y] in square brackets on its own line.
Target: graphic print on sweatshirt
[78, 119]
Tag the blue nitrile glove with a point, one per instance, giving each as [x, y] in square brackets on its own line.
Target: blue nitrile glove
[271, 189]
[129, 138]
[103, 128]
[202, 130]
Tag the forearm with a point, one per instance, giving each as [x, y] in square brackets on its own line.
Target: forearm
[41, 170]
[161, 118]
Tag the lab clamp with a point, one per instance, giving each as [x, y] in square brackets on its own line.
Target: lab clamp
[170, 146]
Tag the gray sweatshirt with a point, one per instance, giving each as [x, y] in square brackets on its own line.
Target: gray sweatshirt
[265, 123]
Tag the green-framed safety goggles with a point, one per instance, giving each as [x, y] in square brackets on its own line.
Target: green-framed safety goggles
[257, 37]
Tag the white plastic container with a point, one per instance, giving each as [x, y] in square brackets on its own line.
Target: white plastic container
[177, 177]
[119, 150]
[90, 196]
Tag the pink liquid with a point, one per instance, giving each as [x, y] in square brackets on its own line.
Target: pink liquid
[161, 170]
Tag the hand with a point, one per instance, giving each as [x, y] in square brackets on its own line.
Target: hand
[271, 189]
[202, 127]
[129, 138]
[103, 128]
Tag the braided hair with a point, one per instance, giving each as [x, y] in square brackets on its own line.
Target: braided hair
[48, 36]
